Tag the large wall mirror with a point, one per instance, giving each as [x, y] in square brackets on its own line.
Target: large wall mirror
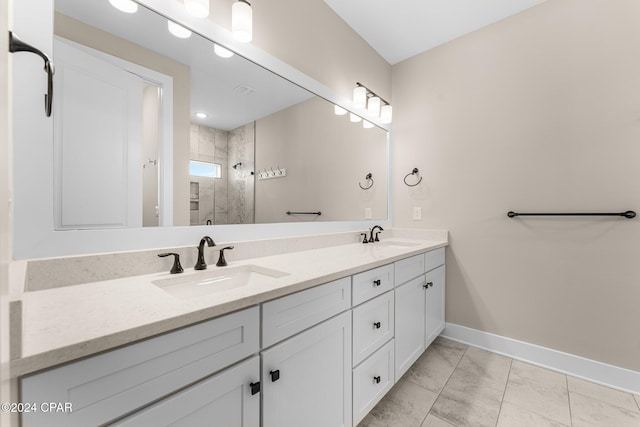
[157, 126]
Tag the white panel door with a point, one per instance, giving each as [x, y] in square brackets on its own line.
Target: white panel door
[97, 142]
[307, 379]
[435, 304]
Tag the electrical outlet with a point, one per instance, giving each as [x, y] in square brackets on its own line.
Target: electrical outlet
[367, 213]
[417, 213]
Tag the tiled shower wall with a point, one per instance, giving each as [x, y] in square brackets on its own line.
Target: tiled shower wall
[241, 186]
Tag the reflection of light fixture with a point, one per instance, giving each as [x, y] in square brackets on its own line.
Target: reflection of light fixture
[126, 6]
[178, 30]
[242, 21]
[367, 124]
[373, 106]
[360, 97]
[198, 8]
[376, 106]
[222, 51]
[354, 118]
[386, 114]
[201, 115]
[339, 111]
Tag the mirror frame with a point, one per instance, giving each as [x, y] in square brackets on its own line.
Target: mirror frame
[35, 237]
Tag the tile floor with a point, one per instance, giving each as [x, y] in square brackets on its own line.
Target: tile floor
[453, 384]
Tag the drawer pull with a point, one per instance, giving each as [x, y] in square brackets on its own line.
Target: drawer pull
[427, 285]
[377, 325]
[377, 282]
[377, 379]
[275, 375]
[255, 388]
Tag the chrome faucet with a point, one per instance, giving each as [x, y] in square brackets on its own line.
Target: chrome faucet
[373, 238]
[201, 264]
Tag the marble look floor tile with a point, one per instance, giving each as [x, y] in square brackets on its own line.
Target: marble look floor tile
[511, 415]
[405, 405]
[445, 342]
[473, 394]
[539, 390]
[433, 369]
[602, 393]
[637, 400]
[433, 421]
[589, 412]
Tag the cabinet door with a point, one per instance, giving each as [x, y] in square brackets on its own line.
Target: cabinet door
[307, 378]
[410, 324]
[435, 304]
[224, 400]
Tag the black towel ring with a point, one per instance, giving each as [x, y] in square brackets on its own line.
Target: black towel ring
[369, 177]
[413, 172]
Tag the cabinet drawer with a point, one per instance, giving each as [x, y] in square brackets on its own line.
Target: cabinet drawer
[226, 398]
[433, 259]
[409, 268]
[102, 388]
[286, 316]
[372, 326]
[371, 381]
[370, 284]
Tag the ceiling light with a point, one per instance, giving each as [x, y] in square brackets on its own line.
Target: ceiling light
[386, 114]
[360, 97]
[373, 106]
[354, 118]
[366, 124]
[222, 51]
[242, 21]
[201, 115]
[339, 111]
[126, 6]
[178, 30]
[198, 8]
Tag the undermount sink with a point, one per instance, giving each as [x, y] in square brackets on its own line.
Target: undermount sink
[222, 279]
[395, 244]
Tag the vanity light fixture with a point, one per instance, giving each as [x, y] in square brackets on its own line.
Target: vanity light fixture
[366, 124]
[242, 21]
[126, 6]
[222, 51]
[198, 8]
[201, 115]
[363, 97]
[178, 30]
[339, 111]
[354, 118]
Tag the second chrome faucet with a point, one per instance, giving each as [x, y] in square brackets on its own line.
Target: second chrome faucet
[201, 263]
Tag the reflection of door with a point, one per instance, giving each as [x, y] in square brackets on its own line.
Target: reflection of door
[97, 142]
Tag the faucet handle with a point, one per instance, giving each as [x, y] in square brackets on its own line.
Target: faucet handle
[377, 239]
[177, 268]
[364, 239]
[221, 261]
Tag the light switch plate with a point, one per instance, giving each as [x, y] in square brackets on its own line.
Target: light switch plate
[417, 213]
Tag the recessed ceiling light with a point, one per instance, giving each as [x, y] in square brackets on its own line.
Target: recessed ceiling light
[201, 115]
[222, 51]
[178, 30]
[126, 6]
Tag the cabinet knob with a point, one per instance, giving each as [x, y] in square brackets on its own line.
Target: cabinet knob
[255, 388]
[377, 325]
[275, 375]
[427, 285]
[377, 282]
[377, 379]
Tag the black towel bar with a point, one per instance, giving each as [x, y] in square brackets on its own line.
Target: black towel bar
[304, 213]
[626, 214]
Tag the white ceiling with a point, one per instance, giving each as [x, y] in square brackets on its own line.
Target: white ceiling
[400, 29]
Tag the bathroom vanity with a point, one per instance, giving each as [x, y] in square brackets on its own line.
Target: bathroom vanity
[319, 345]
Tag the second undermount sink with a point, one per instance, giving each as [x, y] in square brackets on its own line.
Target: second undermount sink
[216, 280]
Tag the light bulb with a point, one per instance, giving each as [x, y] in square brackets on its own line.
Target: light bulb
[242, 21]
[178, 30]
[360, 97]
[386, 114]
[373, 106]
[354, 118]
[222, 51]
[201, 115]
[198, 8]
[126, 6]
[339, 111]
[366, 124]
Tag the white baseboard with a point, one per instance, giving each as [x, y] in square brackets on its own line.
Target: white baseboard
[577, 366]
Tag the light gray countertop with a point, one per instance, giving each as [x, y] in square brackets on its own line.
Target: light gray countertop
[67, 323]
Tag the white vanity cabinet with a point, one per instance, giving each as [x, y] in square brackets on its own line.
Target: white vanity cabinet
[307, 378]
[434, 322]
